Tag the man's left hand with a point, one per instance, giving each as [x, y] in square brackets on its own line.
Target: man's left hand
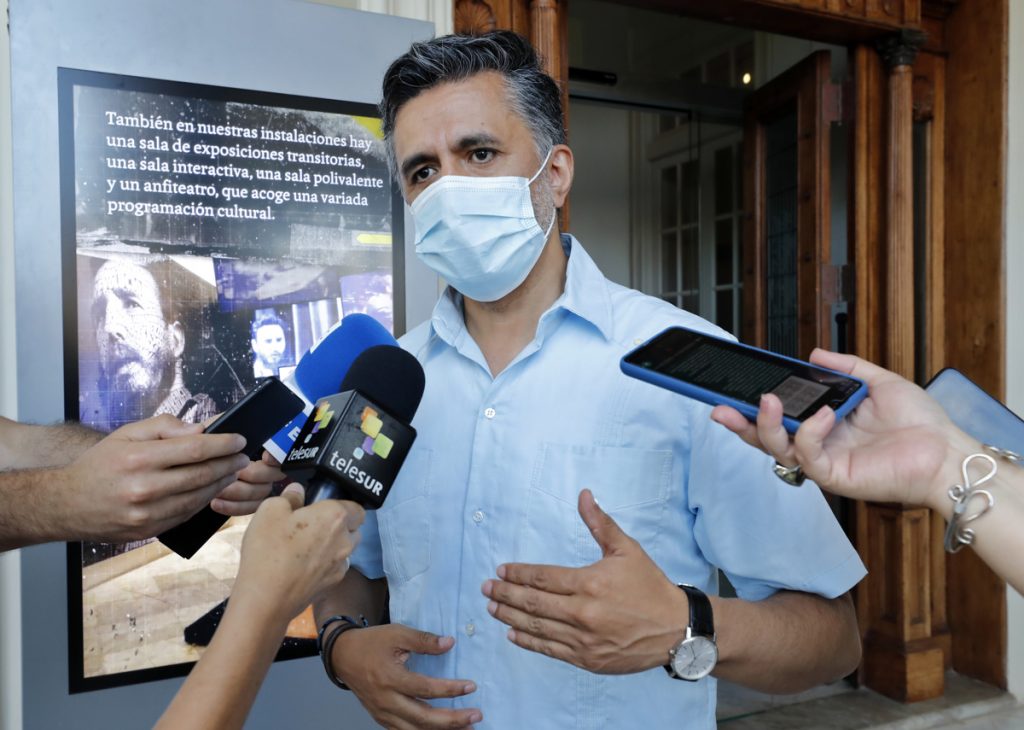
[243, 497]
[617, 616]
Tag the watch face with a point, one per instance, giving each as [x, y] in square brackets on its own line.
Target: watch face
[695, 658]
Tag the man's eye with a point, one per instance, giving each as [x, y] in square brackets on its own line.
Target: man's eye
[422, 174]
[483, 155]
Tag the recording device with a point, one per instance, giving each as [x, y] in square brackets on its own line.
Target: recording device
[322, 368]
[256, 416]
[354, 443]
[975, 412]
[717, 371]
[259, 415]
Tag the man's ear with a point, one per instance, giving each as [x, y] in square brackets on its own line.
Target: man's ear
[560, 172]
[177, 338]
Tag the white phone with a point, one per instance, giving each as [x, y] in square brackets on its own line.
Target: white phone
[975, 412]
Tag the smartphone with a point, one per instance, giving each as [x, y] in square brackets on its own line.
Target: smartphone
[257, 417]
[717, 371]
[975, 412]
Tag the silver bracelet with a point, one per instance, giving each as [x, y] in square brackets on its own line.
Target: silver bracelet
[957, 532]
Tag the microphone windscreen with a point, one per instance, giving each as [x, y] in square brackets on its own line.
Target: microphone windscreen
[390, 377]
[322, 368]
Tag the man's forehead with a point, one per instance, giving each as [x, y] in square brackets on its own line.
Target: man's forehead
[125, 277]
[463, 107]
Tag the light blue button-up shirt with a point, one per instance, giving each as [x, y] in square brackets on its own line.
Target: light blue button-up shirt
[494, 476]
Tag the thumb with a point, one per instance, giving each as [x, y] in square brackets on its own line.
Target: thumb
[605, 530]
[295, 495]
[424, 642]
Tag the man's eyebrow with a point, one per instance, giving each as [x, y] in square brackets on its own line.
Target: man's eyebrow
[475, 140]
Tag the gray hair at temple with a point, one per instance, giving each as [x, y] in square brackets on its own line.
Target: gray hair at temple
[532, 94]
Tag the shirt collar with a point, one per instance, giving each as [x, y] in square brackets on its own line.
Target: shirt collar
[586, 296]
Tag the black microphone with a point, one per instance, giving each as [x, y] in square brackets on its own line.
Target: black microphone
[354, 443]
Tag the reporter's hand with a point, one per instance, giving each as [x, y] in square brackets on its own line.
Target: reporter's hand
[142, 479]
[244, 496]
[291, 553]
[372, 661]
[892, 448]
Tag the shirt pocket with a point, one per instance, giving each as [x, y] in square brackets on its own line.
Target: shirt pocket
[404, 520]
[632, 485]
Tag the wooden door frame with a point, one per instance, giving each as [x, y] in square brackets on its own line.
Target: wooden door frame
[970, 41]
[805, 85]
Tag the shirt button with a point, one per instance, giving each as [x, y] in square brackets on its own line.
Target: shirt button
[470, 629]
[490, 413]
[478, 516]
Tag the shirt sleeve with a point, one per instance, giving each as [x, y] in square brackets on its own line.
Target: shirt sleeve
[764, 534]
[368, 557]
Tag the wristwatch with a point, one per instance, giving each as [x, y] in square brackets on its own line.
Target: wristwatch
[695, 656]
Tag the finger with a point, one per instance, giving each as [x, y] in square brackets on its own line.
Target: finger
[809, 444]
[176, 508]
[424, 642]
[770, 431]
[295, 494]
[533, 624]
[258, 472]
[738, 424]
[355, 515]
[412, 684]
[199, 476]
[606, 531]
[549, 578]
[245, 491]
[194, 449]
[851, 365]
[269, 459]
[235, 508]
[548, 647]
[530, 600]
[159, 427]
[413, 714]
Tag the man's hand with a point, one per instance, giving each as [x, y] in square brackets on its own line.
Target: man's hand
[254, 483]
[372, 661]
[141, 480]
[291, 553]
[617, 616]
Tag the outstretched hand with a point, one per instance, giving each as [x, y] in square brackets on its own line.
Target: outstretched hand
[617, 616]
[892, 448]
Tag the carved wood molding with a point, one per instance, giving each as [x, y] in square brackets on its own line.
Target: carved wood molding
[474, 17]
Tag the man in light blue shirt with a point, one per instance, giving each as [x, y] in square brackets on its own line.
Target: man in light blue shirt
[525, 416]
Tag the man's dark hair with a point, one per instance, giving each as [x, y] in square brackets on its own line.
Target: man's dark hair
[262, 320]
[532, 94]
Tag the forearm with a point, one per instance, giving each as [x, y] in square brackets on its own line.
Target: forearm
[31, 512]
[220, 690]
[998, 539]
[355, 596]
[786, 643]
[24, 446]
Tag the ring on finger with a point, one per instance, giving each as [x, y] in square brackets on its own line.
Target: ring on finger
[791, 475]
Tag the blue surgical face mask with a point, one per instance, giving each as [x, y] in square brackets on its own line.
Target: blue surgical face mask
[480, 233]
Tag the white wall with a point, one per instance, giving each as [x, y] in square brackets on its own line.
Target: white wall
[1014, 274]
[10, 563]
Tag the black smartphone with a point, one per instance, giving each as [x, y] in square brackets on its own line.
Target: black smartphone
[975, 412]
[256, 416]
[717, 371]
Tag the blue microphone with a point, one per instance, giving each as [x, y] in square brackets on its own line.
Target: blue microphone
[321, 370]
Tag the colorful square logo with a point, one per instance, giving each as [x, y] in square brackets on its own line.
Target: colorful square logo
[375, 442]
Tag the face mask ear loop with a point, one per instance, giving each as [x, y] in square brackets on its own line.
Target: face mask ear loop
[541, 168]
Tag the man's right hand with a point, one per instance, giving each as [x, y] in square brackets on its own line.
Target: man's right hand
[142, 479]
[372, 661]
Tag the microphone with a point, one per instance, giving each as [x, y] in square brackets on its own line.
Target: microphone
[259, 415]
[322, 368]
[355, 442]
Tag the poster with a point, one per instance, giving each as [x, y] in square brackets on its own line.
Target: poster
[211, 237]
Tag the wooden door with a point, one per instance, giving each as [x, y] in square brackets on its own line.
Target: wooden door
[789, 283]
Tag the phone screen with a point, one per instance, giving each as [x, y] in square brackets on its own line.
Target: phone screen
[976, 412]
[743, 373]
